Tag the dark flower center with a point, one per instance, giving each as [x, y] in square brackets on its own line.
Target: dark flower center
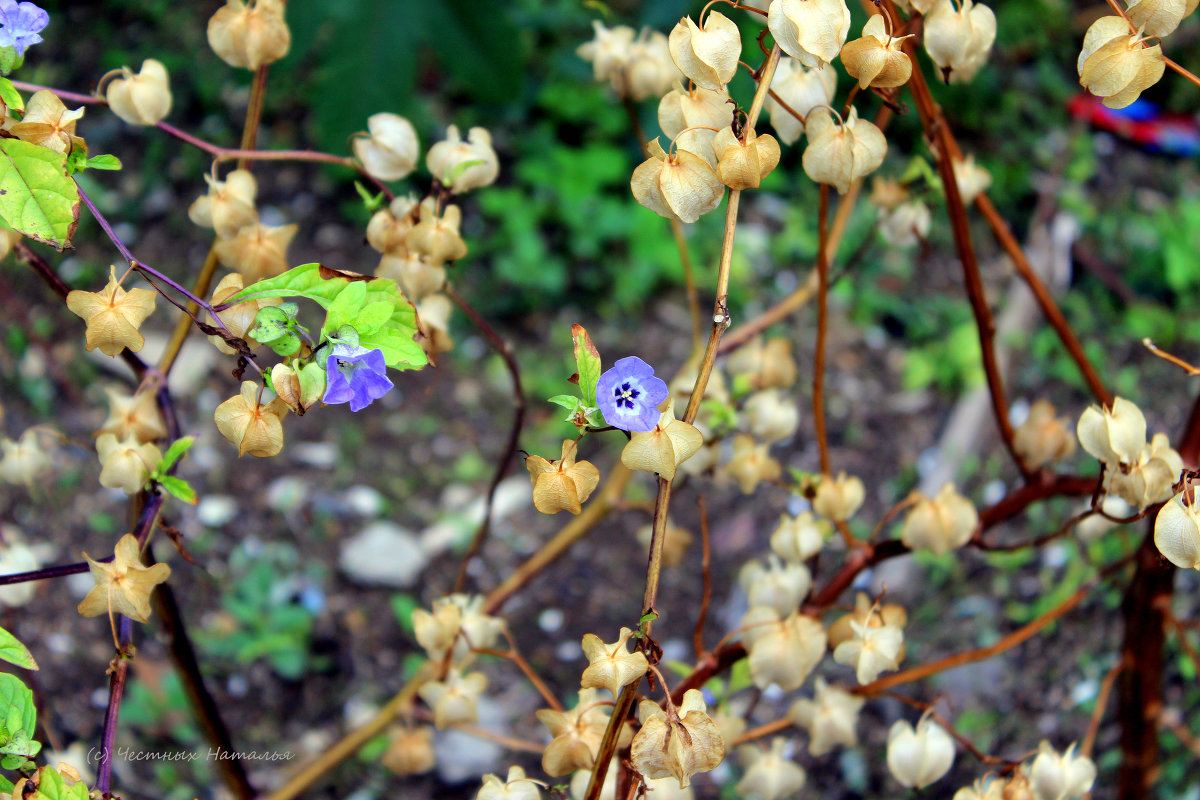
[625, 395]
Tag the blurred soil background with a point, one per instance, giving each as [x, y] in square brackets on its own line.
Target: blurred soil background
[302, 636]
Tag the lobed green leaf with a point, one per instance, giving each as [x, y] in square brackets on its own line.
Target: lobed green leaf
[37, 198]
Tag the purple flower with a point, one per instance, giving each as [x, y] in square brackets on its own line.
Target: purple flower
[20, 23]
[355, 375]
[629, 395]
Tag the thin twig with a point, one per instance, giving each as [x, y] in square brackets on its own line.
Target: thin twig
[706, 572]
[818, 381]
[1089, 740]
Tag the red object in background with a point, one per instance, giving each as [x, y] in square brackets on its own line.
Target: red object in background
[1143, 123]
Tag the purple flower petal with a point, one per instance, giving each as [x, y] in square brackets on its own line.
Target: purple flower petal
[20, 24]
[355, 375]
[629, 395]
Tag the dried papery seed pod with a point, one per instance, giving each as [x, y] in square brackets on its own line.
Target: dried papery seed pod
[838, 498]
[1116, 65]
[611, 666]
[389, 152]
[679, 110]
[707, 54]
[917, 758]
[906, 224]
[887, 193]
[664, 448]
[249, 36]
[751, 464]
[238, 319]
[744, 163]
[1151, 478]
[1060, 777]
[564, 484]
[436, 237]
[1043, 437]
[940, 524]
[802, 89]
[135, 415]
[971, 178]
[959, 37]
[141, 99]
[389, 226]
[409, 751]
[680, 185]
[1157, 18]
[652, 71]
[871, 649]
[461, 166]
[454, 700]
[677, 742]
[257, 251]
[416, 277]
[876, 59]
[125, 463]
[782, 651]
[23, 461]
[46, 123]
[577, 734]
[229, 205]
[770, 416]
[840, 152]
[676, 540]
[1116, 435]
[113, 315]
[812, 31]
[1177, 531]
[830, 717]
[770, 774]
[799, 538]
[250, 424]
[610, 51]
[433, 315]
[777, 585]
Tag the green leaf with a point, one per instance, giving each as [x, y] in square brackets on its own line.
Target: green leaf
[403, 605]
[271, 323]
[173, 454]
[649, 616]
[397, 337]
[372, 202]
[286, 346]
[302, 281]
[104, 161]
[179, 488]
[568, 401]
[12, 651]
[450, 177]
[6, 786]
[16, 697]
[345, 306]
[36, 196]
[587, 362]
[9, 60]
[373, 316]
[53, 786]
[11, 97]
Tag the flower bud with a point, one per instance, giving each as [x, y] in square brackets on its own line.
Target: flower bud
[1115, 436]
[125, 464]
[802, 89]
[707, 54]
[563, 484]
[1117, 65]
[254, 427]
[436, 237]
[142, 99]
[769, 775]
[959, 37]
[917, 758]
[389, 226]
[409, 751]
[777, 585]
[830, 717]
[301, 390]
[812, 31]
[454, 699]
[1065, 777]
[839, 153]
[751, 464]
[461, 166]
[942, 524]
[257, 251]
[23, 461]
[135, 415]
[249, 36]
[413, 273]
[390, 151]
[1177, 531]
[677, 186]
[677, 742]
[663, 449]
[876, 59]
[744, 164]
[229, 205]
[905, 225]
[799, 538]
[838, 498]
